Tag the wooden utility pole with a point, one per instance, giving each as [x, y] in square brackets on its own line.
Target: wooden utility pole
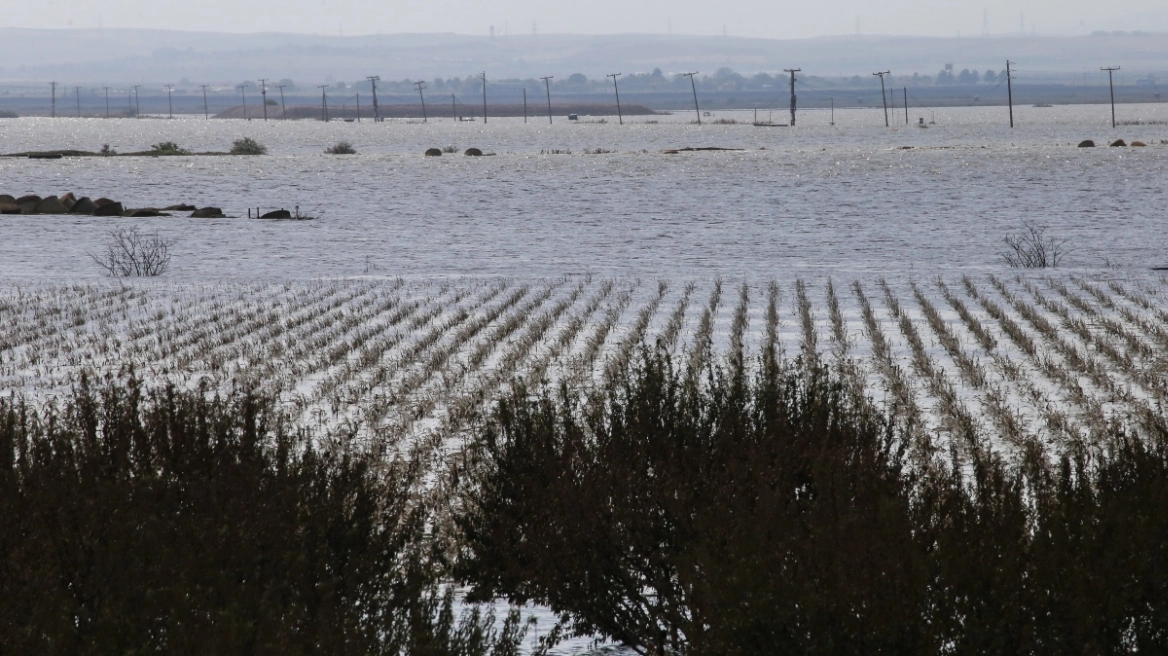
[264, 93]
[206, 112]
[453, 108]
[694, 86]
[1010, 91]
[619, 117]
[169, 100]
[524, 104]
[883, 96]
[374, 79]
[243, 93]
[792, 71]
[906, 105]
[106, 101]
[484, 97]
[422, 85]
[77, 93]
[323, 102]
[548, 85]
[283, 109]
[1111, 83]
[137, 102]
[53, 106]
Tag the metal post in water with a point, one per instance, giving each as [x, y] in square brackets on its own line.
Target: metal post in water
[883, 96]
[619, 116]
[1010, 91]
[206, 112]
[1111, 83]
[792, 71]
[422, 85]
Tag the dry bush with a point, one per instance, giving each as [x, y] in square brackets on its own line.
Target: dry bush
[130, 253]
[1032, 249]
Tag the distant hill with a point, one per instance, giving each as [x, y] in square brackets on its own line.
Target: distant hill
[89, 56]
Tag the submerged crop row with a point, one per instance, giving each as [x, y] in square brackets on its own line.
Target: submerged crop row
[968, 363]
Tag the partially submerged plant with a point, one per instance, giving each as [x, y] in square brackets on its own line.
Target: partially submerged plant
[130, 253]
[168, 148]
[248, 146]
[341, 148]
[1032, 249]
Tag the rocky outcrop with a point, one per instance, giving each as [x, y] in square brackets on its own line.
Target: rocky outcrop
[1139, 144]
[28, 203]
[50, 205]
[5, 199]
[181, 207]
[84, 205]
[1118, 143]
[207, 213]
[144, 212]
[1086, 143]
[111, 208]
[473, 152]
[434, 152]
[9, 208]
[277, 214]
[68, 200]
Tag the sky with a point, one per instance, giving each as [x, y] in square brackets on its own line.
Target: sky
[747, 18]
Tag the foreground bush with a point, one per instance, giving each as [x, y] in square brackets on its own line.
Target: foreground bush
[775, 514]
[168, 148]
[341, 148]
[136, 523]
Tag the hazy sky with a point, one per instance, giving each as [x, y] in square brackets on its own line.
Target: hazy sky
[754, 18]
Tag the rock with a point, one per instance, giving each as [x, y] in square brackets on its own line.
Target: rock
[50, 205]
[207, 213]
[7, 200]
[102, 202]
[1118, 143]
[144, 212]
[28, 203]
[111, 208]
[9, 208]
[181, 207]
[1139, 144]
[670, 152]
[434, 152]
[67, 200]
[473, 152]
[1086, 144]
[83, 206]
[277, 214]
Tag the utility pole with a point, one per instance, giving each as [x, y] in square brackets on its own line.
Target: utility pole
[792, 71]
[453, 109]
[323, 102]
[373, 79]
[206, 112]
[484, 97]
[548, 85]
[422, 85]
[283, 108]
[243, 93]
[833, 111]
[883, 97]
[137, 102]
[694, 86]
[54, 100]
[169, 101]
[358, 94]
[1111, 83]
[619, 117]
[524, 104]
[264, 93]
[77, 93]
[106, 101]
[906, 105]
[1010, 91]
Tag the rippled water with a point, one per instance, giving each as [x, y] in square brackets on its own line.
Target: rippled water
[818, 198]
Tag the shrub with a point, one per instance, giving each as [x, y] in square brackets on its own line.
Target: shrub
[168, 148]
[341, 148]
[449, 149]
[248, 146]
[130, 253]
[775, 513]
[166, 522]
[1032, 249]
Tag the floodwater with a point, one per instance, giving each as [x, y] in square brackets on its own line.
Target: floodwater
[845, 198]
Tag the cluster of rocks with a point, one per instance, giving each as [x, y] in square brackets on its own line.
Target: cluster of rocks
[70, 204]
[1118, 143]
[470, 152]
